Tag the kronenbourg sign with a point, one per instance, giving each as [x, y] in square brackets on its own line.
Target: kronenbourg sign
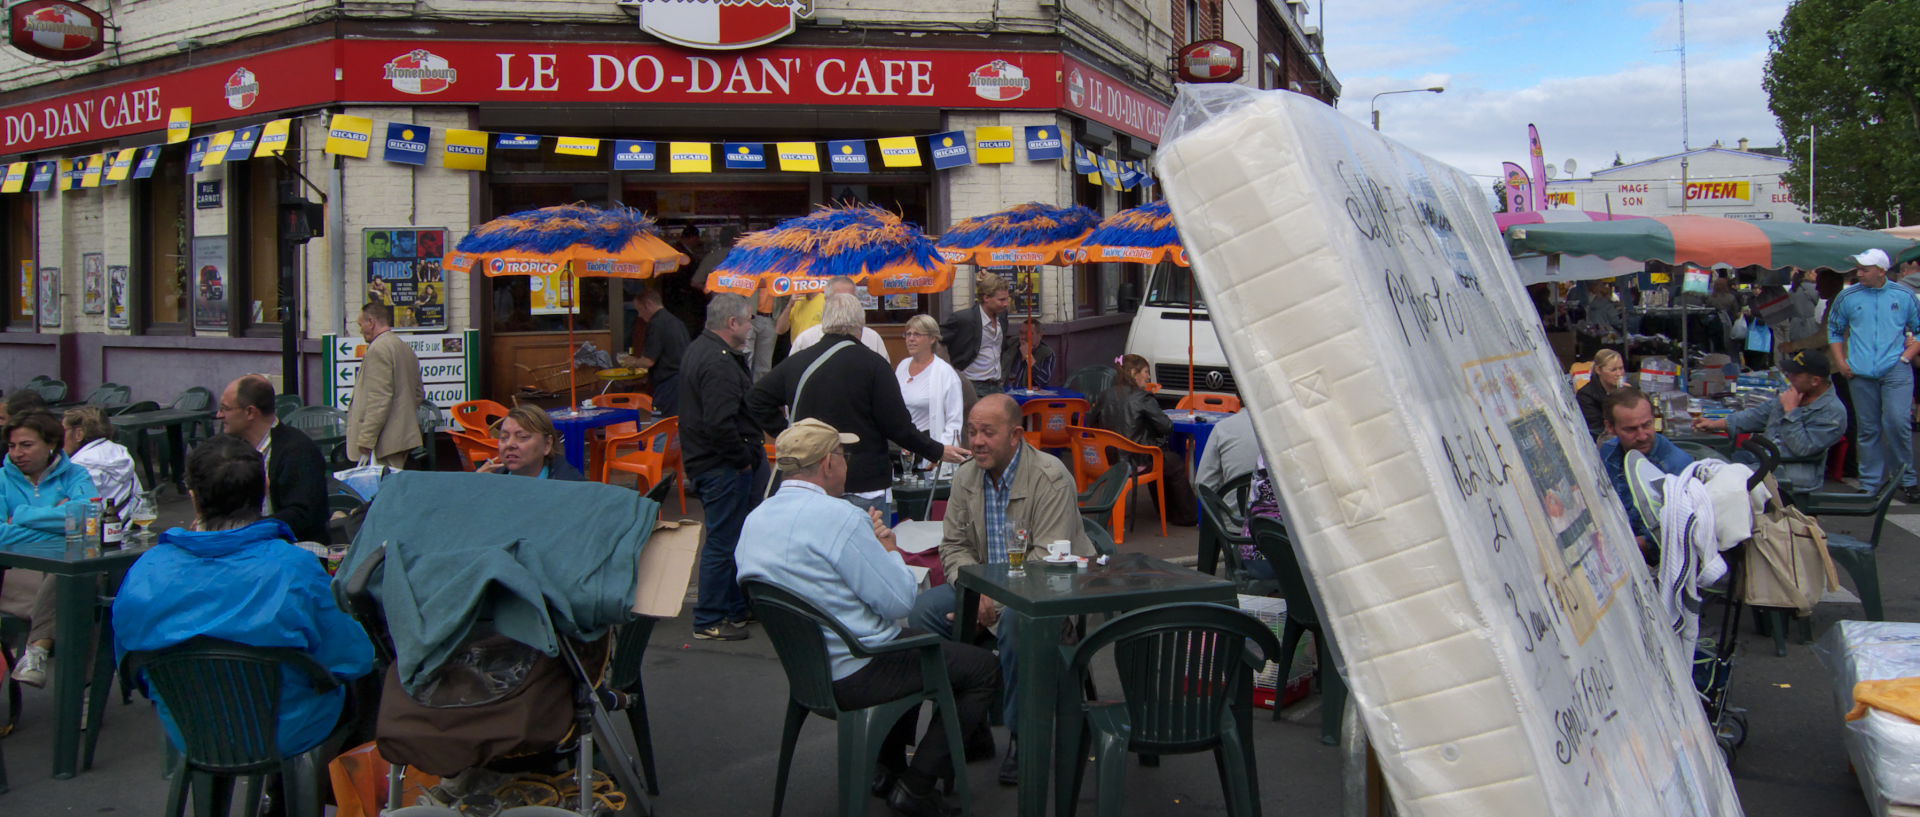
[720, 25]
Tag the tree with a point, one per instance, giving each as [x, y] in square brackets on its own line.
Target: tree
[1844, 68]
[1500, 196]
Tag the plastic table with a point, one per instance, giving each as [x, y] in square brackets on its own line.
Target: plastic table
[1021, 396]
[76, 592]
[574, 425]
[1040, 602]
[175, 421]
[1197, 425]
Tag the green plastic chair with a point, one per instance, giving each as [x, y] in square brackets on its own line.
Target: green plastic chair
[326, 425]
[1097, 501]
[430, 418]
[52, 391]
[225, 699]
[1098, 535]
[109, 396]
[794, 626]
[285, 404]
[1091, 380]
[1223, 531]
[1186, 677]
[197, 398]
[629, 651]
[1271, 538]
[1851, 553]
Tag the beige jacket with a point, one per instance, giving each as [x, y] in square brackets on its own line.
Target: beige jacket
[383, 417]
[1044, 502]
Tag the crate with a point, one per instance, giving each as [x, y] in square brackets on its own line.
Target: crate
[1273, 613]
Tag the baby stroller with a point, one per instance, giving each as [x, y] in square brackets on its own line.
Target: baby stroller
[1721, 603]
[512, 730]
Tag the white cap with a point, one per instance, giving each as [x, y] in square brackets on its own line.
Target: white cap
[1875, 257]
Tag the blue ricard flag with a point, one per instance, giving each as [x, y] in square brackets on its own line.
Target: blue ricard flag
[244, 141]
[1129, 175]
[517, 141]
[1083, 162]
[42, 178]
[1043, 142]
[629, 154]
[848, 156]
[407, 144]
[196, 150]
[149, 159]
[746, 156]
[950, 150]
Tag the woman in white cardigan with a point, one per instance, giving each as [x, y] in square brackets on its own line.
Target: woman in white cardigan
[90, 444]
[930, 385]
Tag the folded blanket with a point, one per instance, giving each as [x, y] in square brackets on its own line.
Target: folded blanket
[1900, 696]
[532, 556]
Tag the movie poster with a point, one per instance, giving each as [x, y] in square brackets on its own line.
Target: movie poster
[49, 297]
[119, 310]
[93, 283]
[211, 283]
[28, 304]
[404, 272]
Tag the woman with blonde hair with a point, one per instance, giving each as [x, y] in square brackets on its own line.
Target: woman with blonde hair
[1608, 376]
[929, 385]
[530, 447]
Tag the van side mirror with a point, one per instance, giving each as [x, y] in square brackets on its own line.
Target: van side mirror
[1129, 297]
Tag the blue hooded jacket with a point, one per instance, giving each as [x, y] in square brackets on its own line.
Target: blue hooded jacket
[252, 586]
[34, 521]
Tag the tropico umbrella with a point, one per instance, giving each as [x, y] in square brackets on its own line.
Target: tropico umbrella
[1143, 235]
[868, 244]
[1024, 235]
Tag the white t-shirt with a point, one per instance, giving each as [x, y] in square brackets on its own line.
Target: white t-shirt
[986, 364]
[814, 333]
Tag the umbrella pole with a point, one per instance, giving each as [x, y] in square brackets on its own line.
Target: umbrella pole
[1023, 332]
[1192, 285]
[573, 393]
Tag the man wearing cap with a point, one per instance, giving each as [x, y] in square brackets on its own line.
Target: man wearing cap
[1870, 328]
[843, 559]
[1806, 421]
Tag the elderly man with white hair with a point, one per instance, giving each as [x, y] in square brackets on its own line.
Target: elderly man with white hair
[847, 386]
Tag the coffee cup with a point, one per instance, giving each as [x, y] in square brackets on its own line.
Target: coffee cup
[1059, 549]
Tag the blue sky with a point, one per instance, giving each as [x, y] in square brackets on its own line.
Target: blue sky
[1597, 76]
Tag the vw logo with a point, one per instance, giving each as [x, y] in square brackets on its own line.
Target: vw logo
[1216, 380]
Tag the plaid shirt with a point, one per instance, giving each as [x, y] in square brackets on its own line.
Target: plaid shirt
[998, 493]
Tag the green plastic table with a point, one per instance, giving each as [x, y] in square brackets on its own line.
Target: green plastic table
[76, 592]
[175, 421]
[1042, 600]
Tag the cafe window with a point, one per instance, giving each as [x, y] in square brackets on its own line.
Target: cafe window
[514, 306]
[253, 188]
[18, 253]
[1088, 298]
[163, 232]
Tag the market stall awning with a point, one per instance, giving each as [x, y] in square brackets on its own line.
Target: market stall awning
[1708, 240]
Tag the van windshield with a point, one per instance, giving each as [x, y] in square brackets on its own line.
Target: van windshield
[1173, 287]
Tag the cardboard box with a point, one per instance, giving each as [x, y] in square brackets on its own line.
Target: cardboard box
[665, 567]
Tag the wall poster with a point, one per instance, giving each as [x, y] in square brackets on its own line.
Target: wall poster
[212, 290]
[49, 291]
[93, 283]
[119, 310]
[403, 271]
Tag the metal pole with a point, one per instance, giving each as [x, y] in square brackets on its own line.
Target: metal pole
[1813, 167]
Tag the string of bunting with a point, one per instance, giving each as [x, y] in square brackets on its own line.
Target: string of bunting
[462, 149]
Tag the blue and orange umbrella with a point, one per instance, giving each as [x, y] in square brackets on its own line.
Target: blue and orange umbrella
[1142, 235]
[868, 244]
[1024, 235]
[569, 241]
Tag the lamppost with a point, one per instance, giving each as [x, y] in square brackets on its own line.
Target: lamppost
[1374, 105]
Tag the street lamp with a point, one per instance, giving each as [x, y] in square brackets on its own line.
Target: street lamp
[1374, 105]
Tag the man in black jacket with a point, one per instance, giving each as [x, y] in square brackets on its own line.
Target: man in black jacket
[976, 337]
[723, 452]
[296, 470]
[853, 390]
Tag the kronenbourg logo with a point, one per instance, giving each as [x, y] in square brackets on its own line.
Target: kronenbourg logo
[514, 266]
[420, 72]
[720, 25]
[999, 81]
[1076, 88]
[242, 89]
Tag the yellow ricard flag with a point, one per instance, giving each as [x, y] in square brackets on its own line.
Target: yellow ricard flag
[993, 144]
[577, 146]
[801, 157]
[690, 157]
[899, 151]
[94, 164]
[118, 170]
[466, 150]
[217, 150]
[349, 135]
[16, 178]
[179, 122]
[273, 138]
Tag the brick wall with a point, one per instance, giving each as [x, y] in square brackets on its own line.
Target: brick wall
[981, 189]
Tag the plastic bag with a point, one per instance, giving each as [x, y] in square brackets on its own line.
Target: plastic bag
[359, 777]
[1739, 329]
[364, 479]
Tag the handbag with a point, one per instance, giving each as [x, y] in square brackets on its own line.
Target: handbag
[364, 479]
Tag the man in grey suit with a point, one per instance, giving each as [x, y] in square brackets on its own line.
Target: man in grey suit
[383, 420]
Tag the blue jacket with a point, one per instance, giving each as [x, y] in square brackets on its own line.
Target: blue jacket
[249, 585]
[34, 521]
[1874, 323]
[1665, 456]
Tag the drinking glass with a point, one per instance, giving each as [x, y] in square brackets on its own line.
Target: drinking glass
[144, 510]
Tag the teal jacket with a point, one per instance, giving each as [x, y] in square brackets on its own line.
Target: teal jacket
[35, 522]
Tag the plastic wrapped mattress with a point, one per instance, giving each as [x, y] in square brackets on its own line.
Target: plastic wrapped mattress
[1884, 747]
[1487, 603]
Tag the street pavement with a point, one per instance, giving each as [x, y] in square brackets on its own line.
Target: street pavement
[717, 709]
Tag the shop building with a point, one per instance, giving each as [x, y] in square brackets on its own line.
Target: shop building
[181, 276]
[1740, 182]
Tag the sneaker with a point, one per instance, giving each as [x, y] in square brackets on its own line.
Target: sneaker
[745, 620]
[724, 631]
[33, 667]
[1910, 495]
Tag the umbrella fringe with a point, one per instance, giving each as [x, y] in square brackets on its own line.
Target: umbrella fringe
[1024, 225]
[1149, 225]
[552, 229]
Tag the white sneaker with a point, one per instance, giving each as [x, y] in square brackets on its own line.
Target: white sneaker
[33, 667]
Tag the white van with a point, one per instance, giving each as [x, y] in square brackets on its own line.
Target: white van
[1159, 334]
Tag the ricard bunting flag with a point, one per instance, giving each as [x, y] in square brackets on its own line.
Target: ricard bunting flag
[516, 141]
[196, 150]
[690, 157]
[950, 150]
[70, 172]
[848, 156]
[800, 157]
[44, 174]
[1043, 142]
[349, 135]
[16, 178]
[746, 155]
[95, 164]
[465, 150]
[273, 138]
[576, 146]
[120, 169]
[1083, 162]
[245, 141]
[149, 160]
[899, 151]
[629, 154]
[993, 144]
[216, 150]
[407, 143]
[179, 122]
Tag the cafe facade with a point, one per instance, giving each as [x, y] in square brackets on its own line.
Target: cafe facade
[165, 264]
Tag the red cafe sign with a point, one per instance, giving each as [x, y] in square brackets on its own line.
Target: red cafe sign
[1210, 61]
[56, 29]
[556, 73]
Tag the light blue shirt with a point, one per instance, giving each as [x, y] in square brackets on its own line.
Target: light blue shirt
[822, 548]
[1875, 323]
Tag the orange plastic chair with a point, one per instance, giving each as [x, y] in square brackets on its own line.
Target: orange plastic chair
[478, 416]
[1049, 419]
[1091, 459]
[625, 400]
[772, 456]
[1206, 401]
[474, 448]
[654, 452]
